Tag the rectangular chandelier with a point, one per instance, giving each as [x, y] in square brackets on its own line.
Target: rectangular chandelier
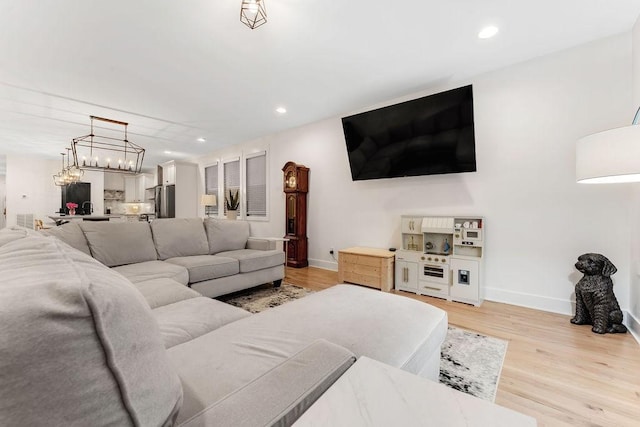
[107, 153]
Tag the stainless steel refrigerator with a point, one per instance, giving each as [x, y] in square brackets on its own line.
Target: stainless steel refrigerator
[167, 203]
[157, 199]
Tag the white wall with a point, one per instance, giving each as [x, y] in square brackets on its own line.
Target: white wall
[30, 188]
[633, 319]
[3, 195]
[96, 178]
[527, 120]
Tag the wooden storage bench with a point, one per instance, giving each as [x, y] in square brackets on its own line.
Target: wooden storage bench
[366, 266]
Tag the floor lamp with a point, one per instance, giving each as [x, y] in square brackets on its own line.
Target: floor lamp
[611, 156]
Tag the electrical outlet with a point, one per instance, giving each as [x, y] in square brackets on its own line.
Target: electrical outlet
[331, 251]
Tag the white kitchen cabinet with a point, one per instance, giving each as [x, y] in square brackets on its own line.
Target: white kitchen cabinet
[130, 189]
[411, 225]
[142, 183]
[180, 180]
[406, 276]
[442, 257]
[465, 283]
[113, 181]
[131, 218]
[169, 173]
[135, 187]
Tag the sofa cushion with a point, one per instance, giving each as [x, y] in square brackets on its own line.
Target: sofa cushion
[409, 340]
[8, 235]
[71, 234]
[119, 243]
[185, 320]
[253, 260]
[226, 235]
[217, 364]
[79, 344]
[176, 237]
[149, 270]
[396, 344]
[279, 396]
[261, 243]
[206, 267]
[162, 291]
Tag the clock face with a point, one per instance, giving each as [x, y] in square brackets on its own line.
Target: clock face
[291, 180]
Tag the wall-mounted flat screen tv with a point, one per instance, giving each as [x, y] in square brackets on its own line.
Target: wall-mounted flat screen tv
[424, 136]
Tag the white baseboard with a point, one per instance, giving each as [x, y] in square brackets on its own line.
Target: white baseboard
[327, 265]
[633, 324]
[554, 305]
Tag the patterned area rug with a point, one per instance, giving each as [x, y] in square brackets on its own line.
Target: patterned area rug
[470, 362]
[263, 297]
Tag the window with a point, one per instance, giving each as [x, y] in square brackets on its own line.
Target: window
[246, 175]
[211, 187]
[256, 185]
[231, 180]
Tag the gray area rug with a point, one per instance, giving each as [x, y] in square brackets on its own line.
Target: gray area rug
[470, 362]
[258, 299]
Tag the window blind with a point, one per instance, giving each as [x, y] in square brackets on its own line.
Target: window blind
[231, 180]
[256, 170]
[211, 186]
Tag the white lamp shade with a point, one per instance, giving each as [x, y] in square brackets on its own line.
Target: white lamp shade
[208, 200]
[612, 156]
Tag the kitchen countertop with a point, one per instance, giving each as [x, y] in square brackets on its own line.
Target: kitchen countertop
[87, 217]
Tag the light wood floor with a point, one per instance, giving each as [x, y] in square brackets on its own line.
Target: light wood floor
[559, 373]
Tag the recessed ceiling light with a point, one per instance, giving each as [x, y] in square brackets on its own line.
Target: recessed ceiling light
[167, 152]
[281, 110]
[488, 32]
[201, 139]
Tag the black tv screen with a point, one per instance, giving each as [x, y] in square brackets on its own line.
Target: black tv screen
[424, 136]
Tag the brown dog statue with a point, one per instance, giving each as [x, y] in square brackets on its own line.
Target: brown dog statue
[596, 304]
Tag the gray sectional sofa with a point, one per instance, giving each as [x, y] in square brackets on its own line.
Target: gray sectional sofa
[213, 257]
[84, 344]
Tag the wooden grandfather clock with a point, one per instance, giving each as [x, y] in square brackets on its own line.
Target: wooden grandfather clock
[296, 187]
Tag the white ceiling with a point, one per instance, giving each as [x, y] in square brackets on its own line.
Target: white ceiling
[179, 70]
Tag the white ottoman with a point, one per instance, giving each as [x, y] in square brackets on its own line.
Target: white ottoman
[392, 329]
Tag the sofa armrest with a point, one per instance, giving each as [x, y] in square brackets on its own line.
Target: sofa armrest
[261, 244]
[281, 395]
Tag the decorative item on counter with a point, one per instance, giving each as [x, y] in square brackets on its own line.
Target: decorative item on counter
[233, 201]
[72, 208]
[412, 246]
[596, 304]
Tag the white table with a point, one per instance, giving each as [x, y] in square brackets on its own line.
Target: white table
[371, 393]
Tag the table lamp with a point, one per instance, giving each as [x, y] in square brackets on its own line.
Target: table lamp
[208, 200]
